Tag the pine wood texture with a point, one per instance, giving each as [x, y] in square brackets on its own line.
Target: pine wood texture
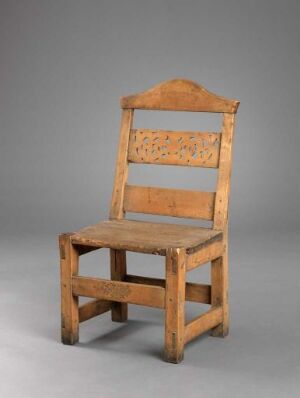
[69, 303]
[206, 254]
[179, 148]
[116, 209]
[221, 212]
[203, 323]
[184, 247]
[119, 311]
[125, 292]
[219, 276]
[180, 95]
[224, 174]
[93, 308]
[145, 237]
[174, 306]
[196, 292]
[169, 202]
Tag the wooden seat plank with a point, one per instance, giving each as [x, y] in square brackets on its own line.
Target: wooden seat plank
[145, 237]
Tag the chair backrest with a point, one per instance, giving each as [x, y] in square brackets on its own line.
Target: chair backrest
[183, 148]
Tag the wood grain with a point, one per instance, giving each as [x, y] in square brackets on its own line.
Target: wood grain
[221, 212]
[224, 174]
[125, 292]
[145, 237]
[121, 173]
[93, 308]
[69, 303]
[202, 323]
[169, 202]
[197, 292]
[205, 254]
[180, 95]
[119, 311]
[175, 305]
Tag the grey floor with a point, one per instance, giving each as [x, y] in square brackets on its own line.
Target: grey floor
[260, 357]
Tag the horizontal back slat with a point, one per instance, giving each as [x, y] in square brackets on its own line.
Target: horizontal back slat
[169, 202]
[200, 149]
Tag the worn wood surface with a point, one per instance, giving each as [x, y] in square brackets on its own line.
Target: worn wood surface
[218, 296]
[145, 237]
[221, 212]
[175, 305]
[197, 292]
[169, 202]
[119, 311]
[202, 323]
[121, 173]
[205, 254]
[181, 148]
[125, 292]
[219, 273]
[180, 95]
[217, 282]
[93, 308]
[224, 174]
[69, 303]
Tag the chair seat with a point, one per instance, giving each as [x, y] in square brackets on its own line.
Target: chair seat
[145, 237]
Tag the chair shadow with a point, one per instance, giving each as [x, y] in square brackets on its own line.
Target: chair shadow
[107, 340]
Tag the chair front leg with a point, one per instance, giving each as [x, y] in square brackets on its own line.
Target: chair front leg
[175, 305]
[69, 303]
[119, 311]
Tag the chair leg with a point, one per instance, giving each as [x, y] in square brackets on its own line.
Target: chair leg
[175, 305]
[119, 311]
[219, 292]
[69, 303]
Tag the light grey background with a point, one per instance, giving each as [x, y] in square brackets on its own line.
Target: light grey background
[63, 66]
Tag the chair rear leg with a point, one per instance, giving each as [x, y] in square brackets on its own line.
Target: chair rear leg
[119, 311]
[175, 305]
[69, 303]
[219, 292]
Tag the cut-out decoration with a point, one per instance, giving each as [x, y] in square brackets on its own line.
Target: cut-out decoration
[174, 147]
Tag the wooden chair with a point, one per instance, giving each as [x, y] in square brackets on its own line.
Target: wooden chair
[185, 247]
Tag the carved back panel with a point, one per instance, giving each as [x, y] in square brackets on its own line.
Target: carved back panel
[174, 147]
[180, 148]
